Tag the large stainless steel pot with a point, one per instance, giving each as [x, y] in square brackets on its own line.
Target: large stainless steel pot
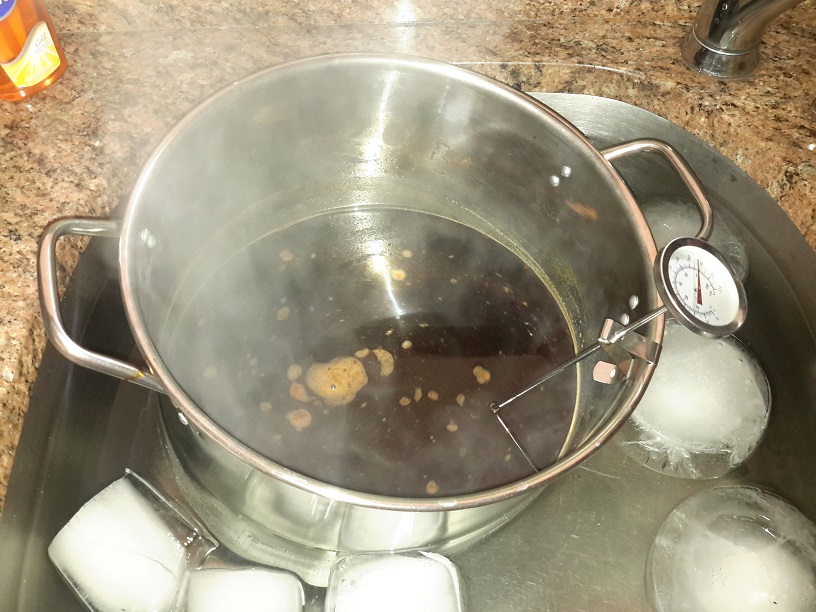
[351, 136]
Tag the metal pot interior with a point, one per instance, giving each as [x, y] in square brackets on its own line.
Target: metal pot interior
[325, 262]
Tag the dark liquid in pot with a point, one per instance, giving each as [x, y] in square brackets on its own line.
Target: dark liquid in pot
[449, 304]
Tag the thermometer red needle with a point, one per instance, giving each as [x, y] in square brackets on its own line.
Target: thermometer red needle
[699, 289]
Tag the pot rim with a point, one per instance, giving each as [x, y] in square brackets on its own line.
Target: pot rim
[202, 424]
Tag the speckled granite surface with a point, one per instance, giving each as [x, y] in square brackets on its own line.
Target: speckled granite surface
[136, 66]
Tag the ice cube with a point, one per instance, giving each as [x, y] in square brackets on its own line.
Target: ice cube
[247, 590]
[705, 410]
[410, 582]
[126, 549]
[733, 548]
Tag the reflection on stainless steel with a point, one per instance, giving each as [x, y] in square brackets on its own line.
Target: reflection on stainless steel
[725, 39]
[582, 544]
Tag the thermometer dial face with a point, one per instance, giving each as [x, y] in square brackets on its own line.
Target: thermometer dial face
[700, 288]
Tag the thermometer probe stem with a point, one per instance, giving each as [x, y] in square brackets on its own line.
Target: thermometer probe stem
[496, 407]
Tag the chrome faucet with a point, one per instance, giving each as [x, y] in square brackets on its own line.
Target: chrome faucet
[724, 40]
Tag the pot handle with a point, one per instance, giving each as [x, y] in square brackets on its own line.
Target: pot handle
[679, 164]
[49, 301]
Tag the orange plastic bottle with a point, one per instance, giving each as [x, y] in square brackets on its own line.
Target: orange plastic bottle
[31, 57]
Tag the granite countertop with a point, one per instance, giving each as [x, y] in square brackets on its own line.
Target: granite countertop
[136, 66]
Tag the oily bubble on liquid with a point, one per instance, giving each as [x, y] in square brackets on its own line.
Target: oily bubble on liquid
[338, 381]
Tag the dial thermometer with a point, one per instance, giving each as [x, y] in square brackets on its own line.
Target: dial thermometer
[700, 288]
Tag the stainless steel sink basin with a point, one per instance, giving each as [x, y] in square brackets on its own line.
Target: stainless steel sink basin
[582, 544]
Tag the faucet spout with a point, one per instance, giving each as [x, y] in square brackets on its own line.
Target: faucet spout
[725, 38]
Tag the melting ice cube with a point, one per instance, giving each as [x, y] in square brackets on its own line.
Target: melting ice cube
[127, 549]
[396, 582]
[733, 548]
[247, 590]
[672, 218]
[705, 410]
